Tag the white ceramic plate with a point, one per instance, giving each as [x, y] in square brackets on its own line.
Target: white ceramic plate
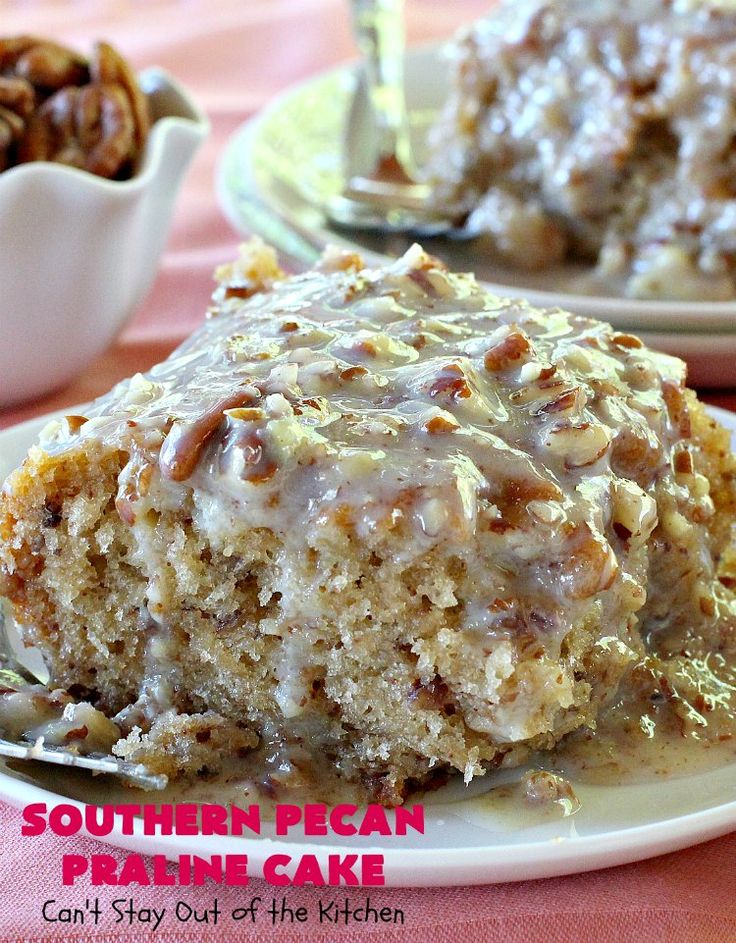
[469, 838]
[281, 168]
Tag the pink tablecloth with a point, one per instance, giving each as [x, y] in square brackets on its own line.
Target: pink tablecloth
[235, 54]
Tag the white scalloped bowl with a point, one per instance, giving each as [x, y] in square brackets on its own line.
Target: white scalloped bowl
[79, 252]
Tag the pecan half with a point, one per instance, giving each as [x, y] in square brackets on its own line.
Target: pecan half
[49, 66]
[90, 128]
[109, 68]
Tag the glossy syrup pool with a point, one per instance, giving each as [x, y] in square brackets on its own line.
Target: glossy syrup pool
[674, 717]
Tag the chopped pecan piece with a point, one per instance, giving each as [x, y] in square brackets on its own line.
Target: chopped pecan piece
[439, 425]
[627, 341]
[453, 383]
[677, 409]
[580, 444]
[512, 351]
[186, 440]
[589, 565]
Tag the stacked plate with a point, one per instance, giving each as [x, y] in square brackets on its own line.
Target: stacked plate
[283, 167]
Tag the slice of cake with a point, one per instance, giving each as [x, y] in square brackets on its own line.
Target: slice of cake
[599, 131]
[378, 519]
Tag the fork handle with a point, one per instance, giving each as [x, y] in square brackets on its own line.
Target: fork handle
[379, 32]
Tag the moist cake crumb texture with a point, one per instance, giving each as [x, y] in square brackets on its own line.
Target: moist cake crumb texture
[375, 518]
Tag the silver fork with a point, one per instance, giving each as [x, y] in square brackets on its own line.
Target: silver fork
[385, 195]
[16, 677]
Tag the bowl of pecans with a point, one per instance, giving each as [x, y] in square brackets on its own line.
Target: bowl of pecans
[91, 159]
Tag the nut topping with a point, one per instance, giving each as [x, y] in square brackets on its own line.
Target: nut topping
[74, 423]
[452, 384]
[185, 442]
[579, 444]
[245, 414]
[493, 431]
[353, 373]
[677, 410]
[590, 565]
[259, 467]
[636, 455]
[627, 341]
[566, 401]
[512, 351]
[439, 425]
[683, 462]
[634, 511]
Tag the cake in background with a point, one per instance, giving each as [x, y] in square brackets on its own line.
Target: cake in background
[600, 131]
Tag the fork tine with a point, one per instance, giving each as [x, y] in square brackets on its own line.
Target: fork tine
[16, 676]
[135, 773]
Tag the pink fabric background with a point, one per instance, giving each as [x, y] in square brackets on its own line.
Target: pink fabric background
[234, 55]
